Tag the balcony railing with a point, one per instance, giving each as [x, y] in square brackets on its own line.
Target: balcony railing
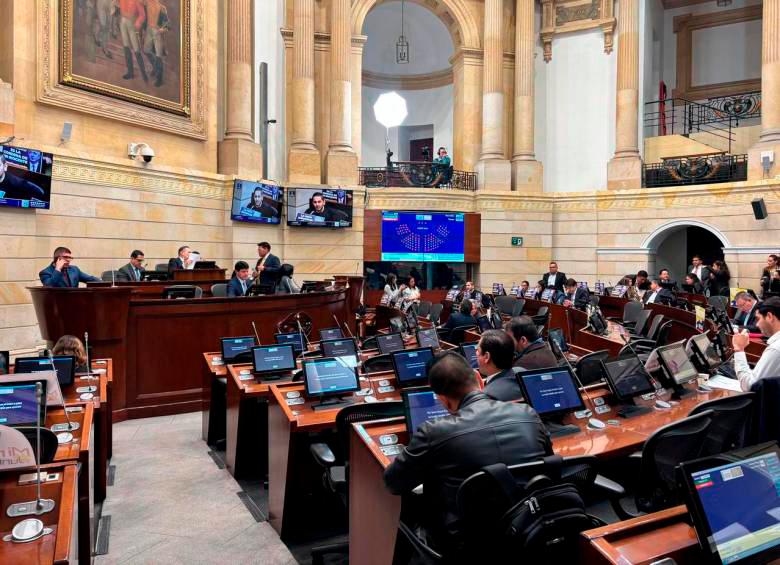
[704, 169]
[419, 174]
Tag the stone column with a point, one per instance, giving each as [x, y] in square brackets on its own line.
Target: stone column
[238, 154]
[769, 139]
[7, 103]
[466, 108]
[493, 169]
[625, 168]
[341, 162]
[303, 162]
[526, 170]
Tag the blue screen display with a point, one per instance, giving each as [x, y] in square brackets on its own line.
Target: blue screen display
[329, 376]
[63, 365]
[18, 405]
[294, 339]
[234, 346]
[421, 407]
[256, 202]
[469, 351]
[25, 177]
[330, 333]
[423, 236]
[410, 366]
[551, 391]
[273, 358]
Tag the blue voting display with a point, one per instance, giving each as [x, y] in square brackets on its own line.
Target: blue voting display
[423, 236]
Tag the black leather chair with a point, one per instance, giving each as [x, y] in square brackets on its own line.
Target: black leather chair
[424, 308]
[506, 304]
[730, 420]
[161, 267]
[518, 308]
[643, 316]
[108, 276]
[435, 313]
[457, 335]
[198, 292]
[631, 312]
[542, 316]
[660, 337]
[378, 363]
[335, 464]
[369, 343]
[48, 442]
[719, 303]
[589, 367]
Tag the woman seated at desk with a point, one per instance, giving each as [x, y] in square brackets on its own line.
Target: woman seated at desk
[287, 284]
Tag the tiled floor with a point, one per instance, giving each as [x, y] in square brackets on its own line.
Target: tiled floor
[171, 504]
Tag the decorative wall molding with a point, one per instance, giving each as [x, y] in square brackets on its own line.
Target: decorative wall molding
[624, 251]
[660, 233]
[750, 250]
[425, 81]
[565, 16]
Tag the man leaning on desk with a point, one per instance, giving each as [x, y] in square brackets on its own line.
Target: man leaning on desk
[443, 452]
[61, 273]
[768, 321]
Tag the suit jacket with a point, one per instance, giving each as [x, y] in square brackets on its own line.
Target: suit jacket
[504, 386]
[443, 452]
[59, 279]
[16, 187]
[457, 319]
[663, 297]
[175, 264]
[581, 298]
[234, 287]
[127, 273]
[270, 274]
[705, 275]
[560, 278]
[748, 320]
[538, 355]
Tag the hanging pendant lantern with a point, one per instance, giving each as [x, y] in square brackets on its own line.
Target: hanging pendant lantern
[402, 45]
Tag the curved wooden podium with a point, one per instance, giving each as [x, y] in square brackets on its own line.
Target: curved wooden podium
[157, 345]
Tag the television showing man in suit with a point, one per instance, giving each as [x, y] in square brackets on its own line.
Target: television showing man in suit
[575, 296]
[61, 273]
[181, 261]
[240, 281]
[268, 265]
[657, 294]
[554, 279]
[134, 270]
[698, 268]
[15, 187]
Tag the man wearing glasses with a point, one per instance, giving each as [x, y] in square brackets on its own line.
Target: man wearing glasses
[134, 270]
[61, 274]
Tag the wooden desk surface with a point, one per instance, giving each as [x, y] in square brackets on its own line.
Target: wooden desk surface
[78, 449]
[100, 396]
[56, 547]
[249, 385]
[219, 370]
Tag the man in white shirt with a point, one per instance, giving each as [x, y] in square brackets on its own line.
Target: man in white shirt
[657, 295]
[554, 279]
[768, 321]
[698, 268]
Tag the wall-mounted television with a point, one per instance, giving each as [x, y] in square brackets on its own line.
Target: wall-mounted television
[25, 177]
[423, 236]
[256, 202]
[319, 207]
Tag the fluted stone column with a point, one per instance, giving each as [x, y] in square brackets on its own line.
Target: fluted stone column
[493, 169]
[625, 168]
[7, 104]
[526, 170]
[341, 162]
[769, 139]
[303, 164]
[238, 154]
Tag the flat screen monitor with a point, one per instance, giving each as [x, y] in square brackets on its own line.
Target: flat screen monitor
[256, 202]
[329, 376]
[273, 359]
[387, 343]
[411, 321]
[232, 347]
[556, 335]
[344, 348]
[677, 364]
[551, 392]
[330, 333]
[547, 294]
[411, 366]
[484, 323]
[428, 338]
[5, 362]
[420, 406]
[319, 207]
[295, 339]
[703, 346]
[65, 365]
[734, 501]
[469, 351]
[397, 324]
[628, 378]
[26, 182]
[19, 404]
[184, 291]
[423, 236]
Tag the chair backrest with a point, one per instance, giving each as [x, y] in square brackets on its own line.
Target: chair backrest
[48, 442]
[641, 321]
[663, 451]
[161, 267]
[457, 335]
[435, 312]
[506, 304]
[362, 412]
[662, 337]
[108, 276]
[718, 302]
[730, 419]
[652, 332]
[542, 311]
[594, 299]
[424, 308]
[378, 363]
[219, 289]
[369, 343]
[589, 367]
[185, 287]
[518, 308]
[631, 311]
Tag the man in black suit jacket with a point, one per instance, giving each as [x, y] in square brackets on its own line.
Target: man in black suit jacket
[554, 279]
[575, 296]
[641, 282]
[698, 268]
[465, 316]
[182, 261]
[658, 295]
[240, 281]
[531, 351]
[495, 354]
[134, 270]
[746, 312]
[268, 265]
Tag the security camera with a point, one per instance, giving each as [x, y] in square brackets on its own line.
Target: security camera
[143, 150]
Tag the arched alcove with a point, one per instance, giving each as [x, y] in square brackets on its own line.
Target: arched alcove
[671, 246]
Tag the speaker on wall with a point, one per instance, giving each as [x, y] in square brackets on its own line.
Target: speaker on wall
[759, 209]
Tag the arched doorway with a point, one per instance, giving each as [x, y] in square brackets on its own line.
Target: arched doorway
[672, 245]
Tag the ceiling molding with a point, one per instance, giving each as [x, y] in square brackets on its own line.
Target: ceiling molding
[423, 81]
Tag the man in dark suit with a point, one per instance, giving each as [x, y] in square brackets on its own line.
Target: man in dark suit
[268, 265]
[61, 273]
[698, 268]
[554, 279]
[444, 451]
[641, 281]
[240, 281]
[16, 187]
[465, 316]
[495, 354]
[182, 261]
[746, 312]
[469, 293]
[665, 280]
[575, 296]
[658, 295]
[531, 351]
[134, 270]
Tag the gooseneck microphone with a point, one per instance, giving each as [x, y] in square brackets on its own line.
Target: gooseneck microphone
[257, 336]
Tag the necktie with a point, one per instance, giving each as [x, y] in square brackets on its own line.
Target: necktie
[65, 276]
[137, 274]
[243, 287]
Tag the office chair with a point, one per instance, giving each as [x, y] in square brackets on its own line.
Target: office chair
[506, 304]
[541, 317]
[630, 314]
[647, 331]
[108, 276]
[243, 357]
[656, 485]
[589, 368]
[519, 306]
[435, 313]
[730, 420]
[161, 267]
[424, 308]
[48, 442]
[336, 468]
[719, 302]
[219, 290]
[642, 317]
[594, 299]
[378, 363]
[457, 335]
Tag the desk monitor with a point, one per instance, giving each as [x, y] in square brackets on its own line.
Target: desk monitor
[556, 334]
[5, 362]
[273, 359]
[19, 404]
[703, 348]
[232, 347]
[411, 366]
[261, 290]
[184, 291]
[553, 393]
[330, 333]
[329, 377]
[628, 379]
[484, 324]
[65, 365]
[428, 338]
[344, 348]
[734, 501]
[676, 364]
[387, 343]
[397, 325]
[295, 339]
[205, 265]
[154, 276]
[469, 351]
[421, 405]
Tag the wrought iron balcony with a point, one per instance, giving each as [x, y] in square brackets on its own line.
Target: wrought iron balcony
[419, 174]
[703, 169]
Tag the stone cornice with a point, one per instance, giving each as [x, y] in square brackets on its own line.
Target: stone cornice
[424, 81]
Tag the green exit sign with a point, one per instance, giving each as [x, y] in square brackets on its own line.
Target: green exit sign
[517, 242]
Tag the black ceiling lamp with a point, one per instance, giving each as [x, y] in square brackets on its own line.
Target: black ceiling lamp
[402, 45]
